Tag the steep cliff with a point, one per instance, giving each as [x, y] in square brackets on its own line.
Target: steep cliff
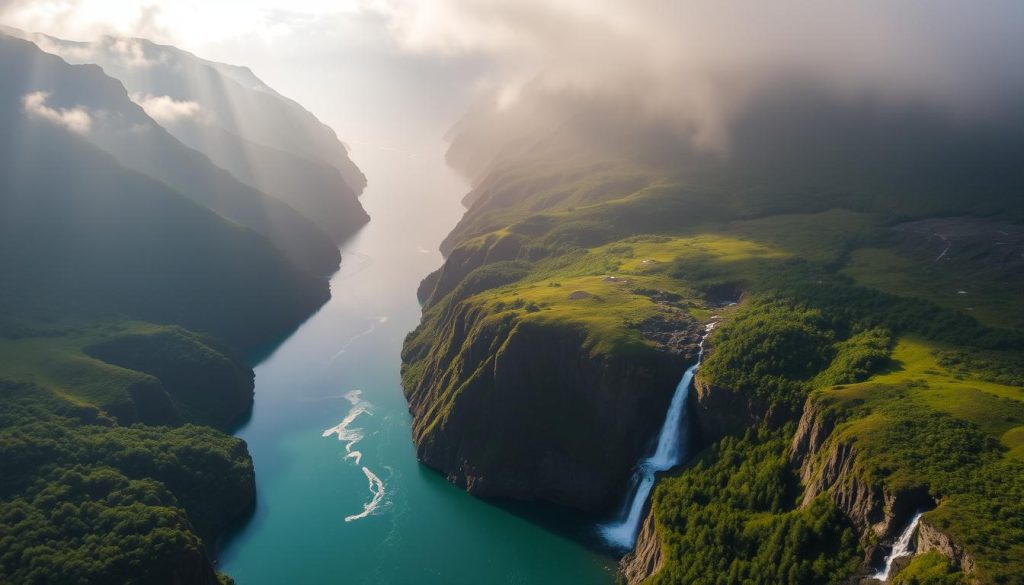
[511, 404]
[717, 411]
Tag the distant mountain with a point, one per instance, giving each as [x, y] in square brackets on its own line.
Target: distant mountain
[119, 126]
[264, 139]
[79, 232]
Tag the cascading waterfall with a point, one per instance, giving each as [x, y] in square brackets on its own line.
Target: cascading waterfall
[904, 547]
[670, 452]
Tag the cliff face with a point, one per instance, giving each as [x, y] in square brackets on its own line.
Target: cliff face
[513, 406]
[194, 569]
[714, 412]
[717, 412]
[462, 261]
[828, 464]
[645, 559]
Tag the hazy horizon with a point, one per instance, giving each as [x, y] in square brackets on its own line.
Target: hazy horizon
[390, 73]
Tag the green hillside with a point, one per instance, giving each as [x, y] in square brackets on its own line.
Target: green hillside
[886, 295]
[124, 308]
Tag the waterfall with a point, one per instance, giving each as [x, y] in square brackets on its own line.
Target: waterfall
[904, 547]
[670, 452]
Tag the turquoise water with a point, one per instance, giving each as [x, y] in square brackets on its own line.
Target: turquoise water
[423, 530]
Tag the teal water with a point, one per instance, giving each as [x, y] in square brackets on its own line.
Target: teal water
[423, 531]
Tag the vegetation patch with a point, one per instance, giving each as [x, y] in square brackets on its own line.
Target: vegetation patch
[921, 425]
[731, 518]
[84, 500]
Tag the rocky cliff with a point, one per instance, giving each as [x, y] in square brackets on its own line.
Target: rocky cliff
[930, 538]
[645, 559]
[512, 405]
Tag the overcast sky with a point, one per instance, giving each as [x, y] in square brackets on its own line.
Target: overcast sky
[391, 72]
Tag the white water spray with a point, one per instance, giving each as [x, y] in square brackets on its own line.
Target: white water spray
[904, 547]
[670, 452]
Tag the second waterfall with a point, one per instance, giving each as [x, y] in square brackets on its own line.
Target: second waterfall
[671, 450]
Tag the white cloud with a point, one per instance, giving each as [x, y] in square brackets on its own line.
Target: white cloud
[166, 110]
[131, 52]
[699, 61]
[182, 22]
[75, 119]
[696, 62]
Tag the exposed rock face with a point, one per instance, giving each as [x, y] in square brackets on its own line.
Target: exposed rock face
[930, 538]
[645, 560]
[509, 406]
[828, 464]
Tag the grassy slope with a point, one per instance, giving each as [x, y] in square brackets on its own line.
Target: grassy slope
[104, 362]
[955, 434]
[818, 312]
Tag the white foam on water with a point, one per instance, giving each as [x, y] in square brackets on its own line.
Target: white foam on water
[351, 436]
[345, 432]
[377, 489]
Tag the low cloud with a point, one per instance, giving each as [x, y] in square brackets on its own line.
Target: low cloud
[700, 62]
[130, 53]
[75, 119]
[165, 110]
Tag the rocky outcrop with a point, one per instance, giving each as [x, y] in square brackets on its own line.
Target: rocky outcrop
[930, 538]
[517, 407]
[645, 559]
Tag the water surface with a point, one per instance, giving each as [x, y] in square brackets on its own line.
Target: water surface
[341, 498]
